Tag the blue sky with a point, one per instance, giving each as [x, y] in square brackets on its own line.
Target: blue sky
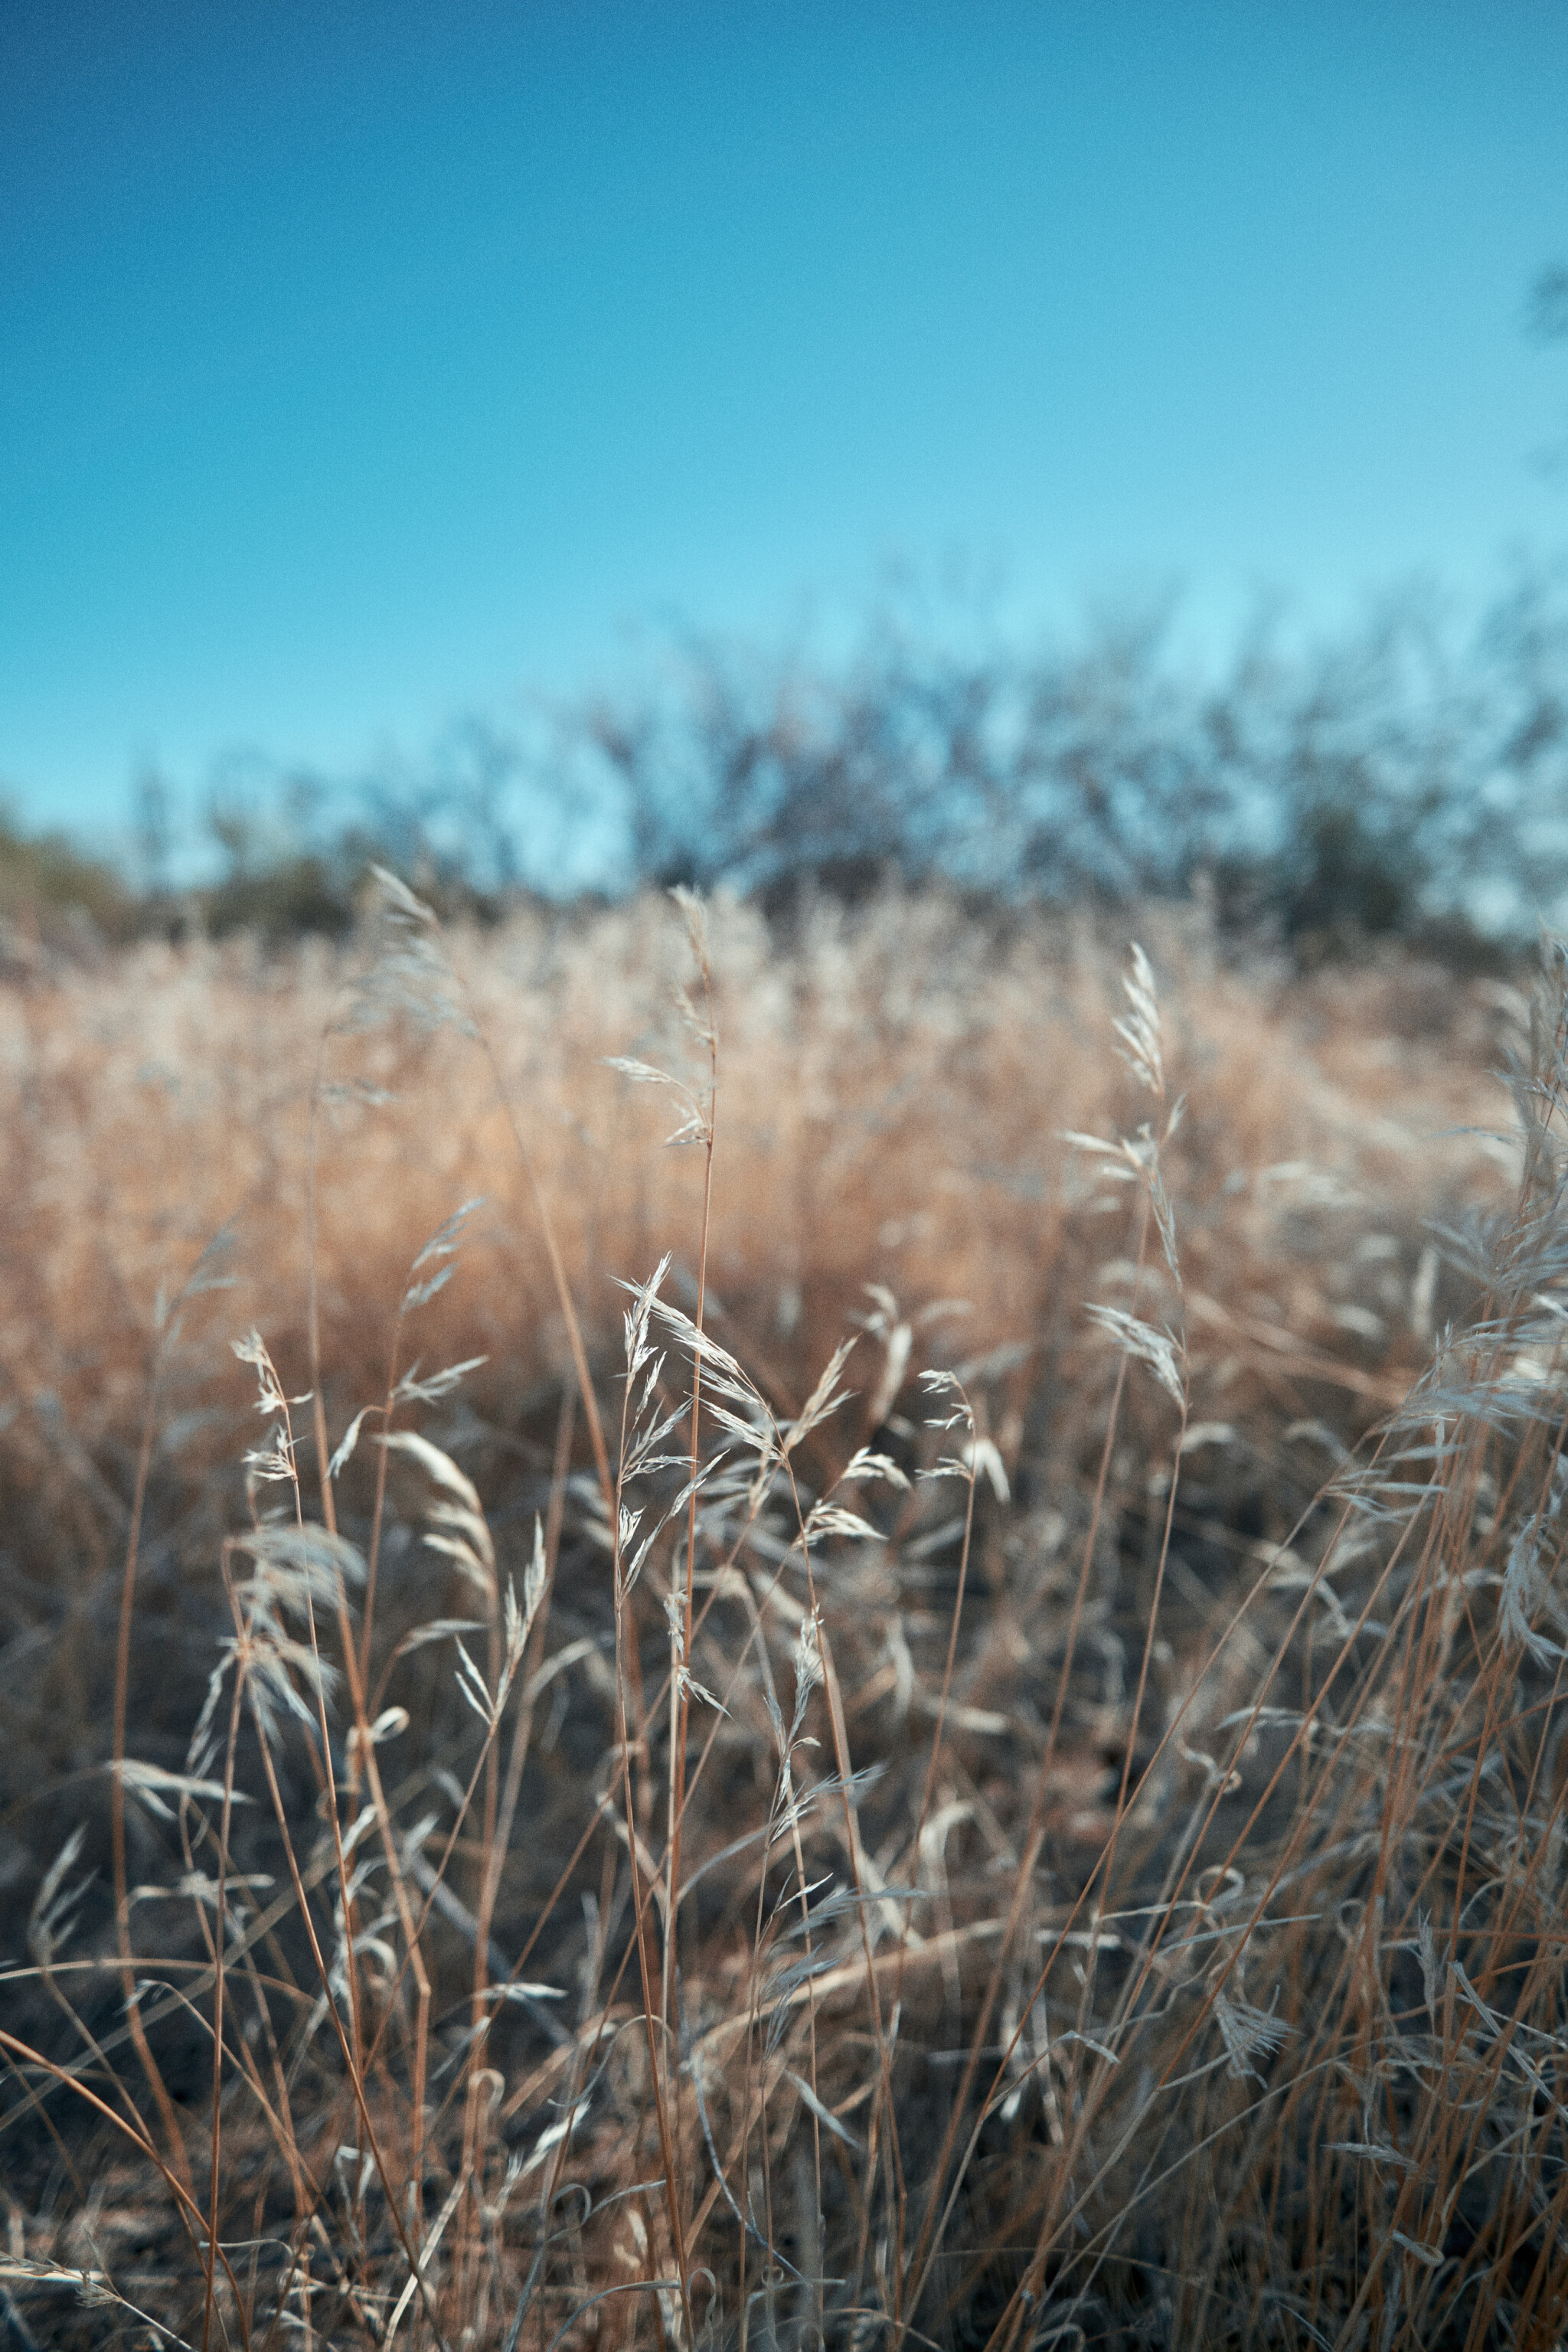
[365, 365]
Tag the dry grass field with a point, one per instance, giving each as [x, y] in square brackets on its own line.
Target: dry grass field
[931, 1716]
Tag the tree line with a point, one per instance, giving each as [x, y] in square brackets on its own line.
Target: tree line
[1406, 779]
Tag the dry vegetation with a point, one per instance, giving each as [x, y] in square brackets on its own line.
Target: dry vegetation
[1045, 1828]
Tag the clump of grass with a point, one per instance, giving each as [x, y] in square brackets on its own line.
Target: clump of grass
[847, 1814]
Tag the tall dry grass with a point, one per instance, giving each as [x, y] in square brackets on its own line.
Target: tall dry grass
[932, 1717]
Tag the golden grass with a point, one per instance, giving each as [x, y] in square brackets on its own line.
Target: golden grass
[1048, 1833]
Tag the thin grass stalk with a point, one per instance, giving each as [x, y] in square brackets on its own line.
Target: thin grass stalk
[680, 1699]
[852, 1836]
[221, 1936]
[626, 1638]
[523, 1729]
[933, 2228]
[357, 1657]
[191, 2215]
[355, 2078]
[558, 1276]
[173, 2139]
[1053, 2223]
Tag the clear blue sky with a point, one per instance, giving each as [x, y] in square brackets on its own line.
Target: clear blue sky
[364, 363]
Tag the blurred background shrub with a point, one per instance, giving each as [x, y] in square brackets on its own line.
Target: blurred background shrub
[1407, 781]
